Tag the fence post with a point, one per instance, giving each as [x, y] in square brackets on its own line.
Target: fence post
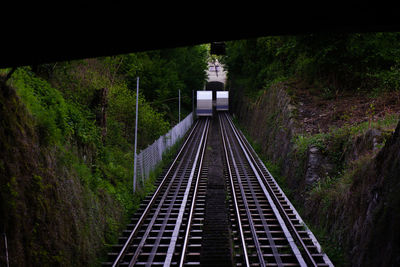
[136, 126]
[193, 104]
[179, 120]
[142, 166]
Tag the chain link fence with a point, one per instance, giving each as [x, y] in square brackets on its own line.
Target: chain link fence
[148, 158]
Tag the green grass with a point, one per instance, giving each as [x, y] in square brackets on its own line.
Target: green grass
[335, 142]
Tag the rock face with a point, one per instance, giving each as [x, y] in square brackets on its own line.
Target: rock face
[313, 163]
[269, 121]
[382, 215]
[47, 216]
[363, 211]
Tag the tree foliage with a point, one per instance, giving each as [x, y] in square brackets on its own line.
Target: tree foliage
[340, 61]
[163, 72]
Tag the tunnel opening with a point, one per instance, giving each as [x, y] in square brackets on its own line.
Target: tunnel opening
[214, 87]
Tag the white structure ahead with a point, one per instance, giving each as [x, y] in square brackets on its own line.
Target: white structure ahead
[222, 100]
[204, 103]
[216, 72]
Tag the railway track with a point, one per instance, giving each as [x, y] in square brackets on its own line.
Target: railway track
[167, 229]
[173, 227]
[267, 229]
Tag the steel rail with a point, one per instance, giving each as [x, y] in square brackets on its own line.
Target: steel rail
[174, 238]
[309, 259]
[155, 215]
[245, 202]
[276, 212]
[167, 194]
[155, 195]
[235, 202]
[263, 219]
[186, 238]
[310, 234]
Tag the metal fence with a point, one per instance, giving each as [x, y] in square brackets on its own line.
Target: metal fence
[148, 158]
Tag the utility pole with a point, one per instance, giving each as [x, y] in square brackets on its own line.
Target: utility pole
[136, 126]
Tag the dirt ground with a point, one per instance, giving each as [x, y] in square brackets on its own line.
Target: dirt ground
[319, 110]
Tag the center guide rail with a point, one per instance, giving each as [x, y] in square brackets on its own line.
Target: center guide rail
[264, 216]
[166, 220]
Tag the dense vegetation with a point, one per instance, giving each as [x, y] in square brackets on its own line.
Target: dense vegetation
[323, 109]
[331, 61]
[76, 119]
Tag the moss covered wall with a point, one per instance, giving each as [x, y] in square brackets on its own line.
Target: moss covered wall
[49, 216]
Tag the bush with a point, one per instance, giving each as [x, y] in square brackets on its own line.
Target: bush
[46, 105]
[121, 118]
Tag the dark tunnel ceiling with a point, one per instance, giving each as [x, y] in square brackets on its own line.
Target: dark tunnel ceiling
[44, 39]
